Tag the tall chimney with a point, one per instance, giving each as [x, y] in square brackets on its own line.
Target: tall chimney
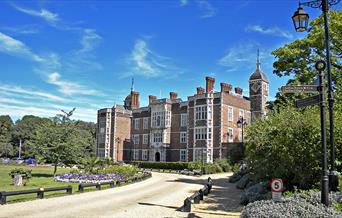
[151, 98]
[226, 87]
[238, 90]
[200, 90]
[173, 95]
[135, 100]
[209, 84]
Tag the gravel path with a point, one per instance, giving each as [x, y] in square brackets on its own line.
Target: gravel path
[159, 196]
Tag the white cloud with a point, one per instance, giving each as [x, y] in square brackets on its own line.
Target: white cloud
[89, 40]
[15, 47]
[183, 2]
[207, 9]
[243, 56]
[30, 93]
[48, 16]
[69, 88]
[275, 31]
[147, 63]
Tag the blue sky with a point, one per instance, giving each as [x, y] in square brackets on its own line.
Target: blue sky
[62, 54]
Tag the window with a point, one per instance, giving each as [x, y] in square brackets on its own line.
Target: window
[184, 119]
[136, 123]
[198, 155]
[145, 154]
[136, 154]
[161, 119]
[249, 118]
[241, 113]
[230, 114]
[182, 155]
[201, 133]
[157, 137]
[183, 137]
[201, 113]
[145, 123]
[230, 135]
[209, 133]
[102, 130]
[145, 139]
[136, 139]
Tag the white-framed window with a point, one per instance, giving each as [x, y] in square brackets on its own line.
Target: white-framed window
[201, 112]
[249, 117]
[102, 130]
[135, 139]
[145, 123]
[145, 139]
[241, 113]
[182, 155]
[183, 137]
[201, 133]
[144, 154]
[157, 137]
[136, 123]
[161, 119]
[230, 114]
[230, 135]
[184, 119]
[240, 135]
[136, 154]
[198, 155]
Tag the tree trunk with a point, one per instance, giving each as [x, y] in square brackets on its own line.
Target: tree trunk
[55, 170]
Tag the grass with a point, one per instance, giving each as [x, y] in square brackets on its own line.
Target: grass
[41, 178]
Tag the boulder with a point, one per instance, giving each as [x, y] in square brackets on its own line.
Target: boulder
[243, 182]
[255, 192]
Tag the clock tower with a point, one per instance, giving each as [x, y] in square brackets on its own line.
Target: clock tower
[258, 92]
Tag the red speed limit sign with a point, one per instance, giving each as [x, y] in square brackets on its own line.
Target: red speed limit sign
[277, 185]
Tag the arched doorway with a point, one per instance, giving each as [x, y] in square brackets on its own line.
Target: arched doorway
[157, 158]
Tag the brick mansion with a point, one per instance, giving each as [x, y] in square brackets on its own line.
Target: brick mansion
[170, 129]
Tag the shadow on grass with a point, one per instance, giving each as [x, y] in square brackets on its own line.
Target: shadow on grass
[44, 175]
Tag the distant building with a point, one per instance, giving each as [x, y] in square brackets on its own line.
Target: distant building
[170, 129]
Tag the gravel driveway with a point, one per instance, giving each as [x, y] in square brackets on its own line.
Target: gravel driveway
[159, 196]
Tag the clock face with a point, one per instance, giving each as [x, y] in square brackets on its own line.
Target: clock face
[255, 87]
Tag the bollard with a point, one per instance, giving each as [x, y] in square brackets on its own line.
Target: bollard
[118, 183]
[187, 205]
[98, 186]
[201, 194]
[69, 190]
[206, 192]
[2, 198]
[80, 188]
[40, 193]
[197, 198]
[111, 184]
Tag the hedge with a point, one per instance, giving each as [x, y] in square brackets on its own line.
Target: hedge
[163, 165]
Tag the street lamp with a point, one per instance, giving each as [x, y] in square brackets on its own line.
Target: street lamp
[300, 21]
[241, 123]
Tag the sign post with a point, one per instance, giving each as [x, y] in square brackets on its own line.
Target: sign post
[302, 89]
[277, 188]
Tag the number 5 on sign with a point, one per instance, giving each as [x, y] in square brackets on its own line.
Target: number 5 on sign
[277, 188]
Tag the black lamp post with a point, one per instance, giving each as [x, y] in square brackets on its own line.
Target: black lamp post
[300, 21]
[241, 123]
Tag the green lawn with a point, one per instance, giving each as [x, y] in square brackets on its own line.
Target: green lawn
[41, 178]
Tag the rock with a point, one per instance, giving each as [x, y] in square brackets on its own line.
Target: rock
[249, 184]
[243, 182]
[234, 178]
[255, 192]
[18, 180]
[257, 188]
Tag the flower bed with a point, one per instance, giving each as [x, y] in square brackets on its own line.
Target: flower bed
[88, 178]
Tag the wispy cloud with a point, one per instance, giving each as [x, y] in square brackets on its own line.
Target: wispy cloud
[22, 30]
[183, 2]
[275, 31]
[69, 88]
[207, 9]
[15, 47]
[45, 14]
[243, 56]
[145, 62]
[89, 40]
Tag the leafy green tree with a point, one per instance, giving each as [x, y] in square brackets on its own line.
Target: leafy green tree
[299, 58]
[287, 145]
[6, 126]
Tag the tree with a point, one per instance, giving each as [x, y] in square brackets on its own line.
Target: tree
[300, 56]
[56, 142]
[6, 126]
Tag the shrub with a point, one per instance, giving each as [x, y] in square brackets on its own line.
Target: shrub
[224, 164]
[235, 153]
[162, 165]
[125, 171]
[210, 168]
[25, 173]
[195, 165]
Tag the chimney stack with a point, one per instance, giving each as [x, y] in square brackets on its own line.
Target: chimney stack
[200, 90]
[209, 84]
[173, 95]
[151, 98]
[134, 100]
[226, 87]
[238, 90]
